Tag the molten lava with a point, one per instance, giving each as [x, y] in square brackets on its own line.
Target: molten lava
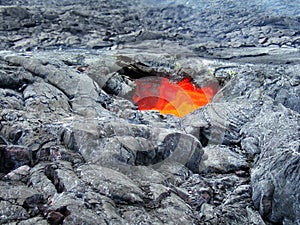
[167, 97]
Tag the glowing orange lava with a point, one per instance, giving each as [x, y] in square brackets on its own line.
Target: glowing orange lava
[167, 97]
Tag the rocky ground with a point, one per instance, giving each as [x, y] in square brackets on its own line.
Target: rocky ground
[74, 148]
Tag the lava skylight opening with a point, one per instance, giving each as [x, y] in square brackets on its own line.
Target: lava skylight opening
[167, 97]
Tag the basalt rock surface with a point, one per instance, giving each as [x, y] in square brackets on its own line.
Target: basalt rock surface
[242, 31]
[75, 149]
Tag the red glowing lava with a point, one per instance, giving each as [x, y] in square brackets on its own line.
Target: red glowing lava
[167, 97]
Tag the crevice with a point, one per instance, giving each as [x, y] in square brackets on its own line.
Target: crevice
[70, 97]
[51, 174]
[3, 141]
[203, 139]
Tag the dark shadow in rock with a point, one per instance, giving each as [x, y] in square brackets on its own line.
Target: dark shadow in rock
[52, 175]
[3, 141]
[181, 148]
[12, 157]
[57, 217]
[14, 77]
[35, 204]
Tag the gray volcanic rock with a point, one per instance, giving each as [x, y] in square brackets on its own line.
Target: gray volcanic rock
[75, 149]
[276, 198]
[226, 29]
[111, 183]
[281, 83]
[112, 167]
[11, 212]
[274, 185]
[14, 77]
[221, 159]
[42, 96]
[11, 99]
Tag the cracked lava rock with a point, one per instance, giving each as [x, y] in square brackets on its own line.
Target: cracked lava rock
[76, 149]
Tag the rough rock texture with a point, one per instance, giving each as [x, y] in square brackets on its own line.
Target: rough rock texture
[218, 29]
[74, 148]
